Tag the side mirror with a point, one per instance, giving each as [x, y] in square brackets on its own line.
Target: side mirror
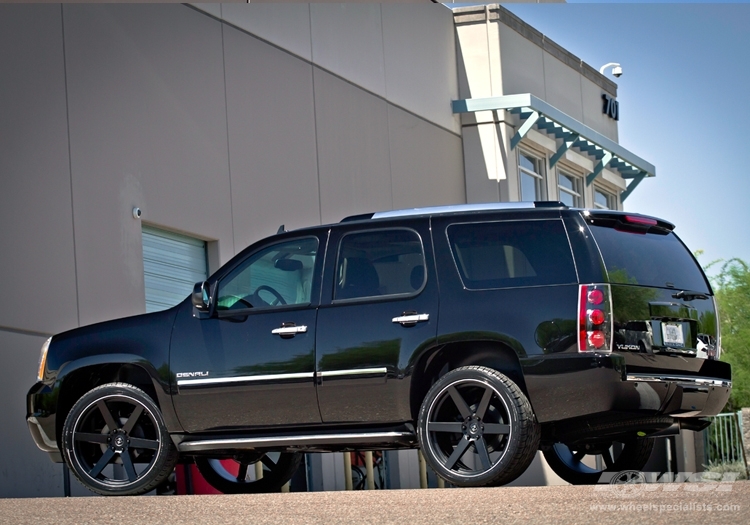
[201, 299]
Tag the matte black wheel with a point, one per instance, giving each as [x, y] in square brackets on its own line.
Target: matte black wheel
[584, 464]
[236, 475]
[115, 441]
[477, 428]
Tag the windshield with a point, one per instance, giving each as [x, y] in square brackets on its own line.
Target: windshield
[648, 259]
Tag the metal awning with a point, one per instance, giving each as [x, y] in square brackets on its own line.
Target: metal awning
[572, 134]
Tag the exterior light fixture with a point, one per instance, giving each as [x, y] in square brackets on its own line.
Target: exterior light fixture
[616, 69]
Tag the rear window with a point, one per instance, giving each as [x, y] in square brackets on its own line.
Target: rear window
[649, 259]
[511, 254]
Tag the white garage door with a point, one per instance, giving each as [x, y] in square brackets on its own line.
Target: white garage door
[172, 264]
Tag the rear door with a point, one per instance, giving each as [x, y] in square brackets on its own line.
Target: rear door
[379, 306]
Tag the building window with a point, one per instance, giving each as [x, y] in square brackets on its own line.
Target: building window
[532, 177]
[172, 264]
[604, 200]
[569, 187]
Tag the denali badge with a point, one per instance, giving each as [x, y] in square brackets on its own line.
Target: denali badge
[192, 374]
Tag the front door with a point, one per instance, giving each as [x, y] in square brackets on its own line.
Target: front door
[379, 309]
[252, 363]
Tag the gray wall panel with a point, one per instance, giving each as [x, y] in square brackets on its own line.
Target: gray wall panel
[426, 162]
[353, 154]
[271, 138]
[148, 129]
[286, 25]
[420, 60]
[347, 39]
[37, 259]
[25, 471]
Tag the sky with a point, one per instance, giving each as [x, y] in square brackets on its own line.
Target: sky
[684, 106]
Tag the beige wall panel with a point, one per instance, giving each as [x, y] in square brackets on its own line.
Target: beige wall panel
[593, 116]
[420, 61]
[37, 259]
[353, 157]
[347, 39]
[286, 25]
[480, 74]
[522, 64]
[426, 162]
[271, 138]
[563, 87]
[148, 129]
[480, 164]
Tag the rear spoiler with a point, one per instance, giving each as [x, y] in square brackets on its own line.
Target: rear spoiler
[630, 222]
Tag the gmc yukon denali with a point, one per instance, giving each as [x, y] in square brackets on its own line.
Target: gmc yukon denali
[477, 333]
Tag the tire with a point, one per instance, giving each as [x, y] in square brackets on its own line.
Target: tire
[577, 464]
[476, 428]
[116, 443]
[278, 468]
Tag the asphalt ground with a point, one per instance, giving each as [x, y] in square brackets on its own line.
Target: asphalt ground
[684, 503]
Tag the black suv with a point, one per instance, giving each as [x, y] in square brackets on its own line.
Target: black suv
[478, 333]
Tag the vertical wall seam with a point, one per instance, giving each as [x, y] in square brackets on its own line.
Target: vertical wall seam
[70, 163]
[315, 116]
[387, 104]
[229, 160]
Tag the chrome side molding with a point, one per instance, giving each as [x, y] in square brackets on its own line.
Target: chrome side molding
[244, 379]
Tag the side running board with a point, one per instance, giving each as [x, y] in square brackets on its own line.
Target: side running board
[311, 440]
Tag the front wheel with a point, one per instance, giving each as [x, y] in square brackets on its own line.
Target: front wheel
[584, 464]
[476, 428]
[116, 443]
[236, 475]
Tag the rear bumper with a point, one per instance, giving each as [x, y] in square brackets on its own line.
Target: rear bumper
[41, 421]
[564, 386]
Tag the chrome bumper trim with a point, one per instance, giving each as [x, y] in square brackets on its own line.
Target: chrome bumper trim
[664, 378]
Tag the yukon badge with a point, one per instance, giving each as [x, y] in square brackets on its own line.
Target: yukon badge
[192, 374]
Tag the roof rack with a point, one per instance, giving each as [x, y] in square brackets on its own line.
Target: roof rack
[455, 208]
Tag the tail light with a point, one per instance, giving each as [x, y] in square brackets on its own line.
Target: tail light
[594, 318]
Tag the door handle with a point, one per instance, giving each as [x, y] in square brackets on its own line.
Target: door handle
[289, 330]
[411, 318]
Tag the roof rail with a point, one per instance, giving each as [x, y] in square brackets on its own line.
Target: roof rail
[455, 208]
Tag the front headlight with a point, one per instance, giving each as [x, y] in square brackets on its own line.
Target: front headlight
[43, 359]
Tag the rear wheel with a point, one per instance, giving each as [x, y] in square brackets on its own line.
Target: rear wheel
[237, 475]
[116, 443]
[476, 428]
[584, 464]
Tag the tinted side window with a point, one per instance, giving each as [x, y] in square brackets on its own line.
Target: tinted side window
[512, 253]
[376, 263]
[649, 259]
[278, 275]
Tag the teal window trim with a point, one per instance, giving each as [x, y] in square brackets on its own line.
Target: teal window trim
[548, 119]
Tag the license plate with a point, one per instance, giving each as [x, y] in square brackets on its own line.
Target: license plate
[672, 334]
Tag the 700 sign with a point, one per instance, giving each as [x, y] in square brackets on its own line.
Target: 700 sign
[611, 107]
